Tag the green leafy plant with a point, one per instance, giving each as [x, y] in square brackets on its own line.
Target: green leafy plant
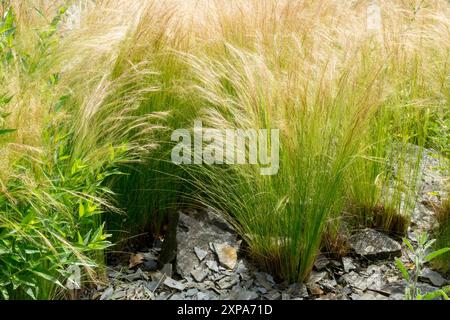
[50, 224]
[420, 256]
[7, 35]
[54, 192]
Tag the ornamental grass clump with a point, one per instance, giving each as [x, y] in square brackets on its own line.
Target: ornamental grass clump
[91, 93]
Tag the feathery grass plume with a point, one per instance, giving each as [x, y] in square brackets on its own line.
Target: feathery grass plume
[152, 187]
[282, 217]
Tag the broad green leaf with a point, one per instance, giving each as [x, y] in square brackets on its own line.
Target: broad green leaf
[4, 100]
[408, 244]
[434, 254]
[6, 131]
[446, 289]
[81, 211]
[434, 295]
[48, 277]
[28, 219]
[92, 207]
[80, 239]
[429, 244]
[61, 103]
[402, 268]
[87, 238]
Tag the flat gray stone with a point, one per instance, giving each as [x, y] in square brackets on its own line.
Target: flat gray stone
[262, 280]
[201, 254]
[107, 293]
[270, 278]
[375, 281]
[348, 265]
[199, 275]
[374, 245]
[241, 268]
[262, 290]
[273, 295]
[152, 285]
[328, 285]
[162, 296]
[203, 296]
[285, 296]
[315, 277]
[212, 265]
[368, 295]
[321, 262]
[191, 292]
[356, 281]
[228, 282]
[178, 296]
[120, 294]
[171, 283]
[246, 295]
[298, 289]
[139, 274]
[432, 277]
[150, 265]
[198, 229]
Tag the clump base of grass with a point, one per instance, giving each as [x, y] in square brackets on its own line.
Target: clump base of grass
[335, 240]
[380, 216]
[389, 220]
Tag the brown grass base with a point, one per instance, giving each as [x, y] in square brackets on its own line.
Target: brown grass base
[389, 220]
[335, 244]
